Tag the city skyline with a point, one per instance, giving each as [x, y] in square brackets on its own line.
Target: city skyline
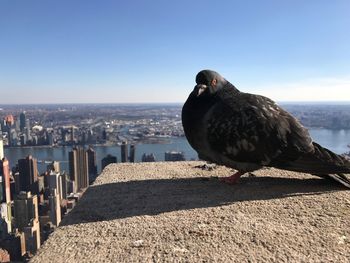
[140, 52]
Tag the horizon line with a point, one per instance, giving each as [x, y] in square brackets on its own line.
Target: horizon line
[168, 103]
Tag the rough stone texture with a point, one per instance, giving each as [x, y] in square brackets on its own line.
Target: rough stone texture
[174, 212]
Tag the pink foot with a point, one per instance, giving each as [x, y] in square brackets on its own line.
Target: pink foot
[233, 179]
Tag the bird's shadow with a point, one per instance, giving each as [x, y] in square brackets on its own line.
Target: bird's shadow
[155, 196]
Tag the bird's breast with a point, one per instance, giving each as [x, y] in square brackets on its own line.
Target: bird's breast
[194, 120]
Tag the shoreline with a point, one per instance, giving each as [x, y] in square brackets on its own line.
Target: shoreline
[167, 140]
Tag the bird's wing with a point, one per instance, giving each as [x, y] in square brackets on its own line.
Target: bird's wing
[251, 128]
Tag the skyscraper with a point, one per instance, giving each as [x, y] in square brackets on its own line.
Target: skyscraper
[132, 153]
[28, 174]
[28, 130]
[23, 139]
[55, 183]
[107, 160]
[6, 216]
[15, 245]
[50, 140]
[72, 135]
[22, 121]
[2, 198]
[9, 120]
[63, 135]
[5, 177]
[27, 219]
[78, 168]
[1, 147]
[91, 154]
[26, 209]
[12, 137]
[55, 207]
[104, 135]
[17, 125]
[124, 152]
[64, 183]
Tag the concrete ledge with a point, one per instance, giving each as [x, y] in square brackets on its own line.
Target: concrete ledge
[156, 212]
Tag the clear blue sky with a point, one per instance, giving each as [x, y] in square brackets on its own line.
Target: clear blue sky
[150, 51]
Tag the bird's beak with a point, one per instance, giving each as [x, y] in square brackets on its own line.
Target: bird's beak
[201, 88]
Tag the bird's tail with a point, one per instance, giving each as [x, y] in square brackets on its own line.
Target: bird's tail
[326, 155]
[324, 163]
[337, 167]
[344, 179]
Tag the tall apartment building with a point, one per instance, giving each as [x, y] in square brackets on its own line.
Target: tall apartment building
[27, 219]
[78, 168]
[28, 174]
[55, 183]
[55, 207]
[132, 153]
[1, 147]
[92, 166]
[124, 152]
[5, 178]
[22, 121]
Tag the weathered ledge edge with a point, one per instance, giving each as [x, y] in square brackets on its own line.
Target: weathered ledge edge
[155, 212]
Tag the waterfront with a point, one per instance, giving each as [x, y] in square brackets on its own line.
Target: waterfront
[335, 140]
[61, 153]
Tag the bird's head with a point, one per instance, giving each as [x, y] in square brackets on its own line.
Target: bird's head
[208, 83]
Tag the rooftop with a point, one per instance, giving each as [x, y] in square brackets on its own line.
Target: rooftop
[178, 211]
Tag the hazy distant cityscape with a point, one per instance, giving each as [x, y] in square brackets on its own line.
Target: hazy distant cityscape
[329, 116]
[33, 202]
[59, 125]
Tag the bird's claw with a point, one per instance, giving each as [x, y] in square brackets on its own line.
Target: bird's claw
[233, 179]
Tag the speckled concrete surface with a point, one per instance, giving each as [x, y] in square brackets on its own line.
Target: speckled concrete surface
[175, 212]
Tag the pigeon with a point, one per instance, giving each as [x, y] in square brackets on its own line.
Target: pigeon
[248, 132]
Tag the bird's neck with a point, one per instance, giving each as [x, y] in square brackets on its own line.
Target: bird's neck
[232, 87]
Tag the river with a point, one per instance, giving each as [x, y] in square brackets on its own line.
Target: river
[335, 140]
